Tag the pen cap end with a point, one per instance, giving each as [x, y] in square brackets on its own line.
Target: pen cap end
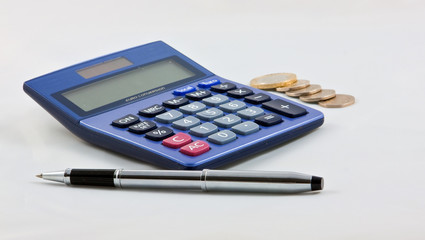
[317, 183]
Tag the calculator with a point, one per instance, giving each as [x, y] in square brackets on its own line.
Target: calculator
[154, 104]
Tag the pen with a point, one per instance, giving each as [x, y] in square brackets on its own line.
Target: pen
[205, 180]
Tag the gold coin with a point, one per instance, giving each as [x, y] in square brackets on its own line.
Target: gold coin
[312, 89]
[296, 86]
[274, 80]
[325, 94]
[339, 101]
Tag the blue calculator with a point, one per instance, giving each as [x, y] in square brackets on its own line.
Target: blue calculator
[154, 104]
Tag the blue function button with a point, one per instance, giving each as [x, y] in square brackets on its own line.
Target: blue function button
[182, 91]
[208, 83]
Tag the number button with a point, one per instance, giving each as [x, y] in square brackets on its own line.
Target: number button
[159, 134]
[215, 100]
[269, 120]
[224, 87]
[196, 148]
[169, 117]
[142, 127]
[186, 123]
[198, 95]
[251, 112]
[222, 137]
[125, 121]
[210, 114]
[152, 111]
[204, 130]
[233, 106]
[257, 98]
[193, 108]
[227, 121]
[239, 93]
[246, 128]
[177, 141]
[175, 102]
[284, 108]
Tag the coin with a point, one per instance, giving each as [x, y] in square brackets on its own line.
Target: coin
[325, 94]
[274, 80]
[296, 86]
[312, 89]
[339, 101]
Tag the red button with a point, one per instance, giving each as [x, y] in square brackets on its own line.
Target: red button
[196, 148]
[177, 141]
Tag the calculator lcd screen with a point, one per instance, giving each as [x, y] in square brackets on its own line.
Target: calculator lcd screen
[127, 84]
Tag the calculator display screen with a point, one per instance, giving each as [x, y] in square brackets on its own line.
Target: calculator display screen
[127, 84]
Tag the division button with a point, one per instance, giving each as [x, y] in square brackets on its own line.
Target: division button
[196, 148]
[246, 128]
[186, 123]
[239, 93]
[284, 108]
[204, 130]
[227, 121]
[159, 134]
[269, 119]
[210, 114]
[142, 127]
[175, 102]
[182, 91]
[152, 111]
[208, 83]
[257, 98]
[233, 106]
[177, 141]
[198, 95]
[169, 117]
[215, 100]
[222, 137]
[223, 87]
[125, 121]
[193, 108]
[250, 113]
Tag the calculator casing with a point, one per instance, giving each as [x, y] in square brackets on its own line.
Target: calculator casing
[95, 126]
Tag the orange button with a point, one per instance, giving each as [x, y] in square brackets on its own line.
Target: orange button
[177, 141]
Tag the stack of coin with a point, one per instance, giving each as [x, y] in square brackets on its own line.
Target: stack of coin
[310, 93]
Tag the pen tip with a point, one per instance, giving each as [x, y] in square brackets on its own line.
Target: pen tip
[39, 175]
[317, 183]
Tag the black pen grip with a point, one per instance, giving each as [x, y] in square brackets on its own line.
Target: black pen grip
[92, 177]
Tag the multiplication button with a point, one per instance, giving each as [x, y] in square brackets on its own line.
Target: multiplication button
[159, 134]
[125, 121]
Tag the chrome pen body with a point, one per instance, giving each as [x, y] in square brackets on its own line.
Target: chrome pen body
[205, 180]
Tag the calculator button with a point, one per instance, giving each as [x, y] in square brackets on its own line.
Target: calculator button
[269, 119]
[210, 114]
[257, 98]
[204, 130]
[152, 111]
[196, 148]
[169, 116]
[239, 93]
[142, 127]
[175, 102]
[198, 95]
[186, 123]
[177, 141]
[208, 83]
[159, 134]
[233, 106]
[193, 108]
[227, 121]
[222, 137]
[284, 108]
[215, 100]
[182, 91]
[251, 113]
[125, 121]
[223, 87]
[246, 128]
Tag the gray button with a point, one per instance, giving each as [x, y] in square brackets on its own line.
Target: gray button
[215, 100]
[233, 106]
[246, 128]
[204, 130]
[251, 112]
[169, 116]
[222, 137]
[193, 108]
[210, 114]
[186, 123]
[227, 121]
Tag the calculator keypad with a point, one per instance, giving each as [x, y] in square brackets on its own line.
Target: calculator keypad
[217, 118]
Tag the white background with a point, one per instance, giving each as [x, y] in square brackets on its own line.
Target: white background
[370, 154]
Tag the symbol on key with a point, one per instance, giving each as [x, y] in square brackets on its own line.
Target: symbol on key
[284, 106]
[177, 141]
[196, 148]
